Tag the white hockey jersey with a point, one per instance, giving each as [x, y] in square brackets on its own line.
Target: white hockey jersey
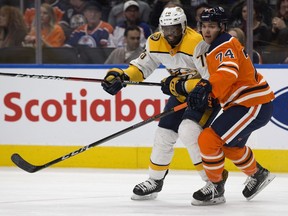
[188, 58]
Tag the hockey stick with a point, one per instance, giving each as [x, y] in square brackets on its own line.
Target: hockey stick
[74, 79]
[28, 167]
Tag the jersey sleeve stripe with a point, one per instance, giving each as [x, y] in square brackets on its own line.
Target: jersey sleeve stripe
[252, 96]
[230, 64]
[228, 70]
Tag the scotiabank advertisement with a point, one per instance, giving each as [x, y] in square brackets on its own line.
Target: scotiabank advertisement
[60, 112]
[51, 111]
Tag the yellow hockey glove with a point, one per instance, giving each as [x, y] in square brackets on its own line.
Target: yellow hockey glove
[173, 85]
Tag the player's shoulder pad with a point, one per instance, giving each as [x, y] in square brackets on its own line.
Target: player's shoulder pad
[155, 36]
[194, 36]
[201, 48]
[156, 43]
[190, 41]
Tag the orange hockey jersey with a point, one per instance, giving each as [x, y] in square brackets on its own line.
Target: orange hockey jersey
[233, 77]
[29, 15]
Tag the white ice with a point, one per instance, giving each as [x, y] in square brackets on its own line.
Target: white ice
[93, 192]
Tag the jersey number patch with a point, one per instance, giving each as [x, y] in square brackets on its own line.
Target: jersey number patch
[228, 53]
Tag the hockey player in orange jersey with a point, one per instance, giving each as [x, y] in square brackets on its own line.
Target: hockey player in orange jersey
[245, 97]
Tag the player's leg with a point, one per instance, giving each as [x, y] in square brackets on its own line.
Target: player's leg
[213, 162]
[242, 156]
[232, 128]
[162, 152]
[189, 131]
[211, 142]
[258, 177]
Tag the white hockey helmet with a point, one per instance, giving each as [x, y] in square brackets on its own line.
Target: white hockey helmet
[173, 16]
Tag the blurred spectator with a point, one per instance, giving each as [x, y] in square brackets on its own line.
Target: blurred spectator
[279, 42]
[279, 32]
[239, 34]
[280, 26]
[266, 11]
[132, 17]
[93, 34]
[52, 33]
[59, 8]
[132, 50]
[73, 17]
[106, 8]
[116, 15]
[261, 31]
[282, 10]
[12, 27]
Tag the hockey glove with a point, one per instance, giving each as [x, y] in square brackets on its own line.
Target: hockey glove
[198, 98]
[173, 85]
[113, 81]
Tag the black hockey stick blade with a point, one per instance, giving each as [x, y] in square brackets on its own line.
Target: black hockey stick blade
[23, 164]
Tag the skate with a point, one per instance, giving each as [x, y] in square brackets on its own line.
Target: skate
[211, 193]
[257, 182]
[147, 190]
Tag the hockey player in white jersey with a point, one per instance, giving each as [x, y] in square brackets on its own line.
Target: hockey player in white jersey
[182, 51]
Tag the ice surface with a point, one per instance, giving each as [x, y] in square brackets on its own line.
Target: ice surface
[93, 192]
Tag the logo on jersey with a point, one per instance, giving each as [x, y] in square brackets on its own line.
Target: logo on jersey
[183, 72]
[87, 40]
[155, 36]
[280, 112]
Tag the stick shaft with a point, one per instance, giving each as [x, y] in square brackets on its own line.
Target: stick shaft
[48, 77]
[23, 164]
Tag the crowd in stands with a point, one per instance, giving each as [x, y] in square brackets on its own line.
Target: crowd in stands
[125, 25]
